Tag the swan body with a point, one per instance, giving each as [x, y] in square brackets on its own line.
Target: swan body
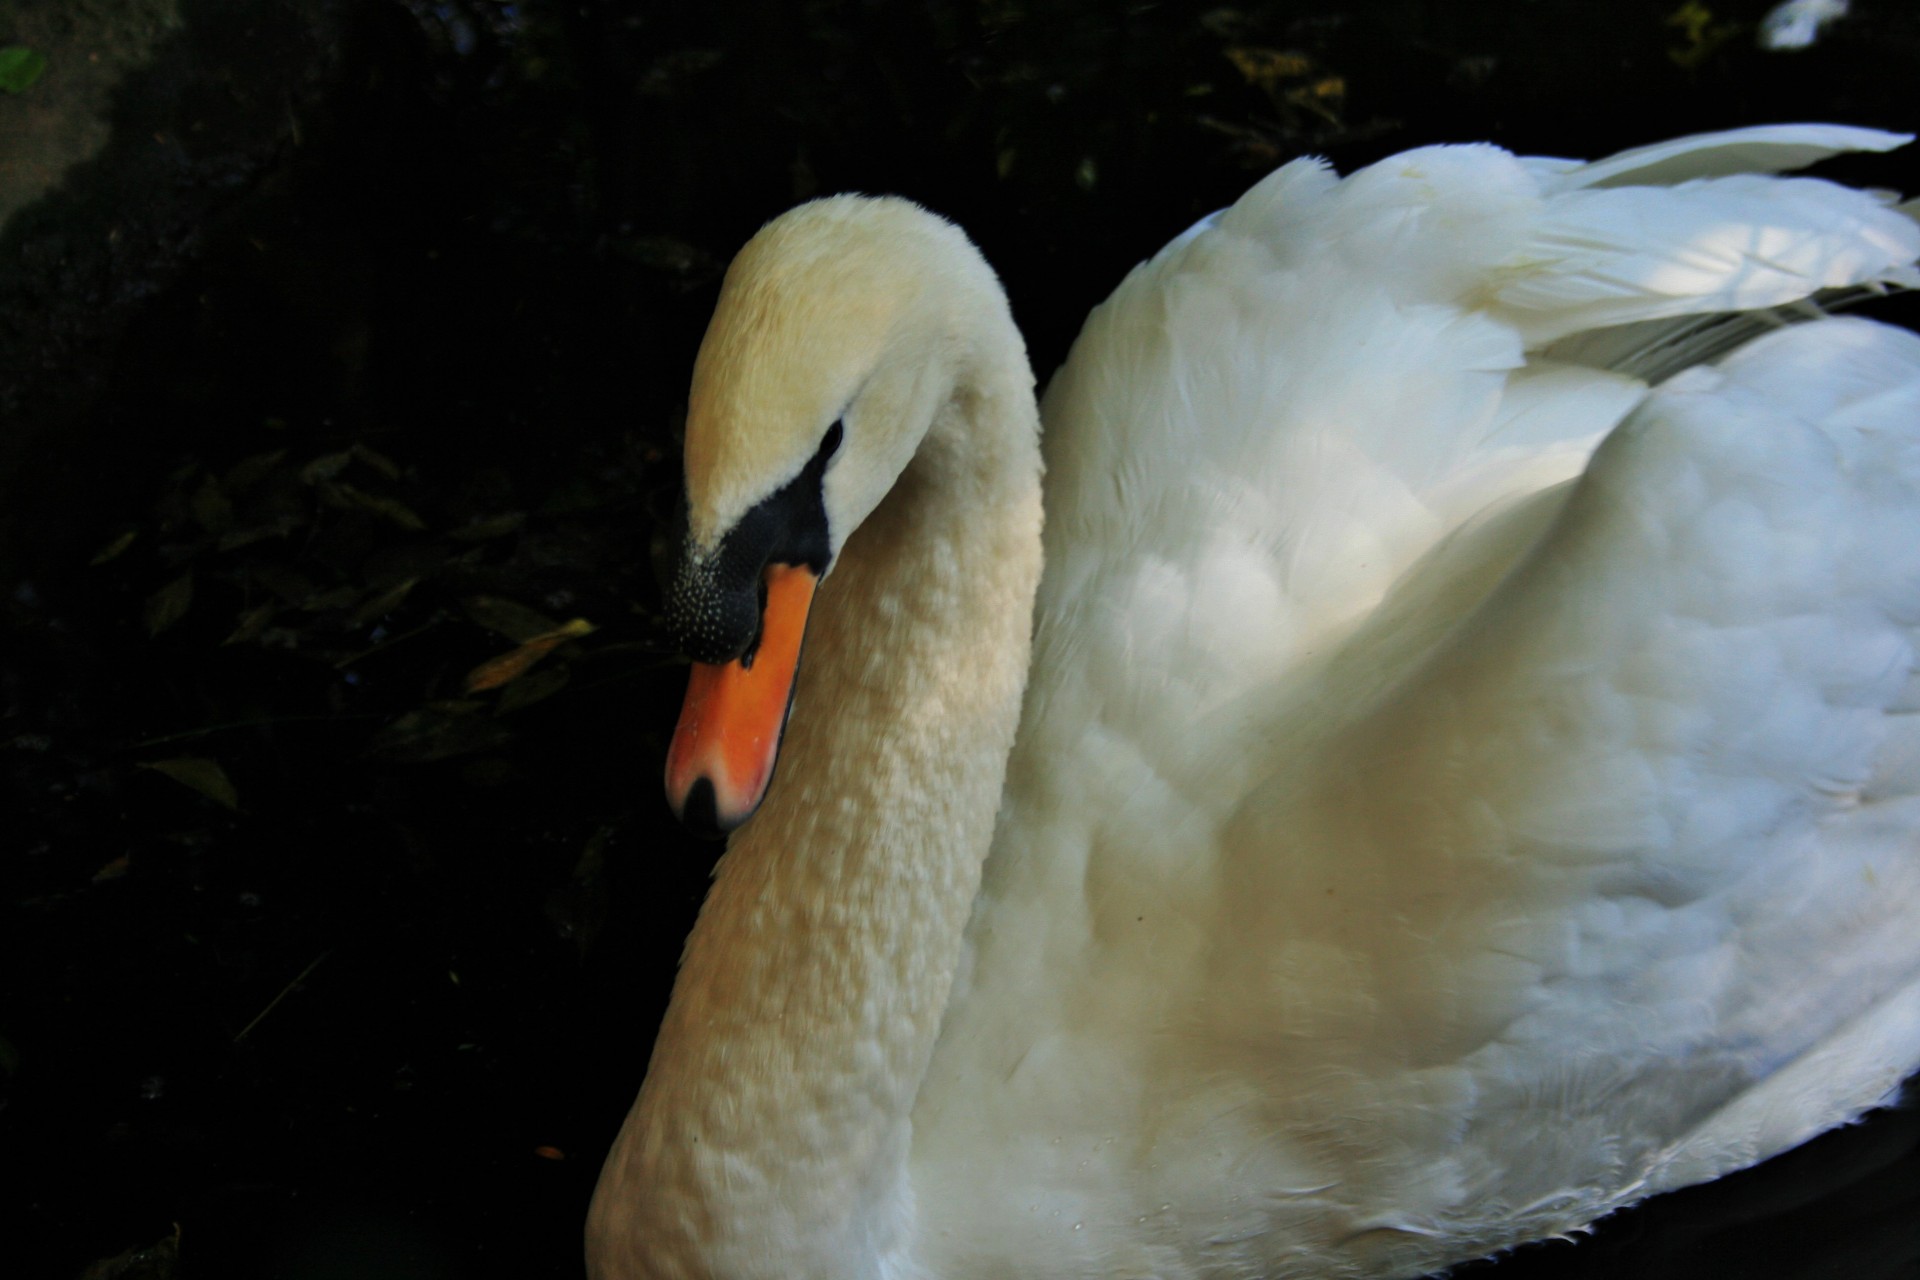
[1458, 774]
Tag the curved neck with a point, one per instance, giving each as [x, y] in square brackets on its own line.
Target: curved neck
[771, 1136]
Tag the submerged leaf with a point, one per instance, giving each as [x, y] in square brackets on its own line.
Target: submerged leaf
[508, 618]
[169, 604]
[346, 495]
[279, 527]
[250, 623]
[1264, 68]
[579, 908]
[378, 461]
[20, 67]
[290, 585]
[249, 471]
[115, 547]
[531, 688]
[202, 775]
[508, 666]
[157, 1261]
[381, 603]
[325, 467]
[492, 527]
[437, 732]
[211, 510]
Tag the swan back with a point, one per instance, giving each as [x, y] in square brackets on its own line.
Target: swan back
[1405, 838]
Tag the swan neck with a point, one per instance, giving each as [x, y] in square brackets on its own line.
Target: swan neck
[772, 1133]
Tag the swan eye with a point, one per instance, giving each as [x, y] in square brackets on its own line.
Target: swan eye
[831, 445]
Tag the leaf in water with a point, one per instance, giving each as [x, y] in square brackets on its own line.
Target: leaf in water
[1702, 31]
[493, 527]
[505, 617]
[169, 604]
[1264, 68]
[437, 732]
[337, 598]
[290, 585]
[457, 706]
[211, 510]
[113, 870]
[380, 605]
[345, 495]
[508, 666]
[114, 548]
[20, 67]
[579, 908]
[531, 688]
[1323, 98]
[279, 527]
[203, 775]
[157, 1261]
[249, 471]
[250, 623]
[378, 461]
[324, 467]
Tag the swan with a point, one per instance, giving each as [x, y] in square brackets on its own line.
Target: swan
[1456, 776]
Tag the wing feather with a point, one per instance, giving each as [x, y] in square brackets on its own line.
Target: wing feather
[1400, 778]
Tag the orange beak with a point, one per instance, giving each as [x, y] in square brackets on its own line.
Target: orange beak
[724, 748]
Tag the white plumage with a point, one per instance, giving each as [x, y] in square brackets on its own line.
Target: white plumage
[1458, 791]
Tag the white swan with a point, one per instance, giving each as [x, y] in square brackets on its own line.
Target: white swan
[1456, 792]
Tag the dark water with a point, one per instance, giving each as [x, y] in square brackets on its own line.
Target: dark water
[386, 382]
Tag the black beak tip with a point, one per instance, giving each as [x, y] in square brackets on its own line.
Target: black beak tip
[701, 813]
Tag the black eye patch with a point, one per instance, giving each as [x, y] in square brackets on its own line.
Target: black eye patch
[713, 601]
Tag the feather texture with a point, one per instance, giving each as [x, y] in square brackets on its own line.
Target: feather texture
[1453, 810]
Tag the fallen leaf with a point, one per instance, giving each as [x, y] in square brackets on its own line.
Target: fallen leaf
[437, 732]
[279, 527]
[508, 666]
[380, 605]
[492, 527]
[346, 495]
[531, 688]
[249, 624]
[115, 547]
[508, 618]
[202, 775]
[579, 908]
[249, 471]
[1263, 68]
[211, 510]
[112, 870]
[290, 585]
[20, 67]
[169, 604]
[378, 461]
[325, 467]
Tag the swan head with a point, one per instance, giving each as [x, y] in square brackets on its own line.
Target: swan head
[842, 329]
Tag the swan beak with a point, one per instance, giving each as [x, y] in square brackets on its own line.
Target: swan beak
[724, 748]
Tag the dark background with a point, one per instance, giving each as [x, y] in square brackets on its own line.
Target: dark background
[353, 360]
